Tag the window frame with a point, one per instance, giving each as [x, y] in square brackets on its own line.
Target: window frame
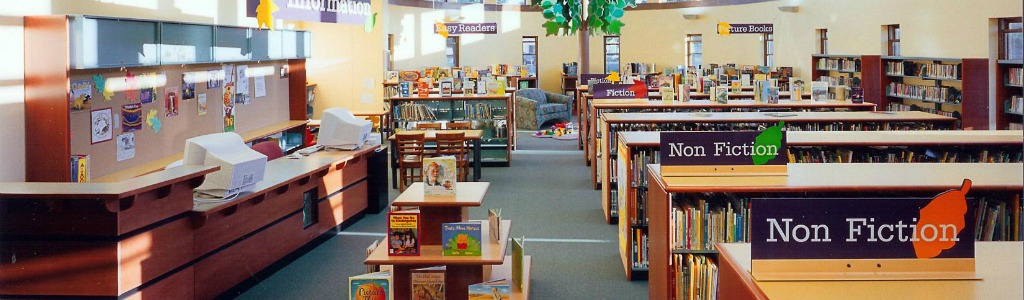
[768, 49]
[536, 54]
[1004, 30]
[455, 50]
[617, 54]
[893, 45]
[690, 42]
[823, 41]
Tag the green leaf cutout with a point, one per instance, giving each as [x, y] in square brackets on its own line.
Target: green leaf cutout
[771, 136]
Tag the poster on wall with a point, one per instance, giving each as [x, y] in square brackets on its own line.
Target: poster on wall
[214, 78]
[242, 86]
[201, 104]
[131, 117]
[229, 74]
[125, 146]
[81, 95]
[171, 101]
[102, 125]
[229, 107]
[259, 86]
[188, 87]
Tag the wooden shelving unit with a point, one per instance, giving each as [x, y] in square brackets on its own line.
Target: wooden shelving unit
[847, 67]
[1005, 90]
[613, 123]
[966, 86]
[461, 271]
[497, 144]
[1001, 182]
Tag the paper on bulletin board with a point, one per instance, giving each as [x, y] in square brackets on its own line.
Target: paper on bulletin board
[229, 74]
[241, 85]
[125, 146]
[260, 86]
[201, 104]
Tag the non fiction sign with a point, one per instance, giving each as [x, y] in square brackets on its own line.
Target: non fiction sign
[887, 228]
[324, 11]
[586, 78]
[725, 28]
[734, 148]
[613, 91]
[470, 28]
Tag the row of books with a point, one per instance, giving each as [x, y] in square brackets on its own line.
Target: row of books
[943, 94]
[837, 81]
[1015, 126]
[695, 277]
[457, 239]
[756, 126]
[876, 154]
[638, 68]
[426, 283]
[414, 112]
[699, 223]
[930, 70]
[1015, 104]
[893, 106]
[639, 259]
[80, 171]
[839, 64]
[1015, 76]
[998, 220]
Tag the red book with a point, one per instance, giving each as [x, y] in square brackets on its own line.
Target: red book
[404, 233]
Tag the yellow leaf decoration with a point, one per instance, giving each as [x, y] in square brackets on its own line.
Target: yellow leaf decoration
[724, 28]
[441, 29]
[264, 13]
[613, 77]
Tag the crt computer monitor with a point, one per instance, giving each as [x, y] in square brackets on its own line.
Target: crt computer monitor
[240, 166]
[341, 130]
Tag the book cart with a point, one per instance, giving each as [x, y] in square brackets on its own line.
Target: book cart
[612, 123]
[462, 271]
[597, 107]
[637, 150]
[717, 208]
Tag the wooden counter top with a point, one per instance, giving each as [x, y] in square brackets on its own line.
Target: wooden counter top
[998, 264]
[491, 253]
[466, 194]
[90, 190]
[724, 117]
[867, 138]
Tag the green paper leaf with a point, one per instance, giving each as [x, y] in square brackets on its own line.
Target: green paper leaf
[548, 14]
[552, 28]
[771, 136]
[615, 26]
[371, 21]
[617, 13]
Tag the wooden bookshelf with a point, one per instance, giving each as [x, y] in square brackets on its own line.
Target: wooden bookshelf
[1006, 114]
[1002, 182]
[703, 121]
[1001, 279]
[496, 144]
[836, 66]
[969, 78]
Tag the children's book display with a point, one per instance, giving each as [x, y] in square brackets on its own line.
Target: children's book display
[498, 289]
[439, 176]
[773, 95]
[423, 89]
[80, 168]
[517, 262]
[445, 87]
[428, 283]
[819, 90]
[461, 239]
[405, 88]
[721, 94]
[494, 221]
[667, 94]
[372, 286]
[404, 232]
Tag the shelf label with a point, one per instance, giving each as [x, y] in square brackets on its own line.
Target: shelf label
[618, 91]
[725, 28]
[724, 148]
[469, 28]
[867, 235]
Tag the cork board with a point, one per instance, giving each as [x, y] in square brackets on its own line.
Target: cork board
[170, 140]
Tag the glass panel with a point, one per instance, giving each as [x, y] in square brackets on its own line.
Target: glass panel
[290, 44]
[612, 49]
[897, 32]
[261, 43]
[232, 44]
[697, 59]
[896, 48]
[275, 44]
[1016, 25]
[124, 43]
[700, 47]
[186, 43]
[1014, 45]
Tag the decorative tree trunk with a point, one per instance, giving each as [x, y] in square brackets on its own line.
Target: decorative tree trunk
[584, 40]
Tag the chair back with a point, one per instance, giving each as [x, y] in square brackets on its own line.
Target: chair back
[451, 144]
[269, 148]
[410, 145]
[428, 125]
[457, 126]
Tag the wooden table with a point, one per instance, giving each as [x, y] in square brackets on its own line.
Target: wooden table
[442, 209]
[999, 264]
[473, 135]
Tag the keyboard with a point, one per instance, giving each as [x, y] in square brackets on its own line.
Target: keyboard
[310, 150]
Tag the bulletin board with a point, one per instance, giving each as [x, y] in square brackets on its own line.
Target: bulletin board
[150, 145]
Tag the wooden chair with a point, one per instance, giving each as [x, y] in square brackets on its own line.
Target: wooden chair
[427, 126]
[457, 126]
[454, 144]
[410, 158]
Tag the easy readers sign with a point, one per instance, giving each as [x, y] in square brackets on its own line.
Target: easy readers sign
[470, 28]
[734, 148]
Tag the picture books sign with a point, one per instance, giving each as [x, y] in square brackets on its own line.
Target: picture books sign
[725, 28]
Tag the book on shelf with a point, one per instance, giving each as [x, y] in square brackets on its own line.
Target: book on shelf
[721, 94]
[773, 95]
[785, 72]
[457, 84]
[943, 94]
[481, 86]
[684, 93]
[445, 87]
[498, 289]
[411, 76]
[667, 94]
[423, 89]
[461, 239]
[439, 176]
[404, 233]
[819, 91]
[375, 286]
[428, 283]
[496, 87]
[1015, 76]
[639, 249]
[699, 223]
[745, 79]
[517, 262]
[405, 88]
[494, 221]
[369, 250]
[695, 277]
[391, 76]
[443, 73]
[1015, 104]
[80, 170]
[735, 87]
[430, 72]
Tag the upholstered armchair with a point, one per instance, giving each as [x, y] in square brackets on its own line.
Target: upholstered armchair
[535, 106]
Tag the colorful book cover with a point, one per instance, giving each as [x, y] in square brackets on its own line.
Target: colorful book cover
[469, 86]
[146, 95]
[428, 283]
[443, 73]
[481, 86]
[745, 79]
[391, 76]
[131, 117]
[439, 176]
[404, 232]
[666, 81]
[188, 87]
[785, 72]
[667, 94]
[445, 86]
[372, 286]
[773, 95]
[517, 262]
[408, 76]
[457, 84]
[494, 219]
[83, 168]
[721, 94]
[171, 101]
[405, 88]
[74, 168]
[423, 89]
[491, 290]
[81, 95]
[735, 87]
[496, 87]
[461, 239]
[819, 90]
[684, 93]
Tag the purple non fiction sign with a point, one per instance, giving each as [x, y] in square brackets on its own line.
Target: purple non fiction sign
[888, 228]
[585, 78]
[470, 28]
[612, 91]
[324, 11]
[710, 148]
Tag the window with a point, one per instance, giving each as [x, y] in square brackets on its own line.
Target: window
[768, 44]
[1011, 39]
[694, 50]
[530, 54]
[823, 41]
[451, 51]
[611, 54]
[893, 34]
[391, 53]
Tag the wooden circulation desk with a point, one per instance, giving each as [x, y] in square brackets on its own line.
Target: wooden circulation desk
[998, 264]
[627, 186]
[591, 125]
[461, 271]
[145, 237]
[994, 181]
